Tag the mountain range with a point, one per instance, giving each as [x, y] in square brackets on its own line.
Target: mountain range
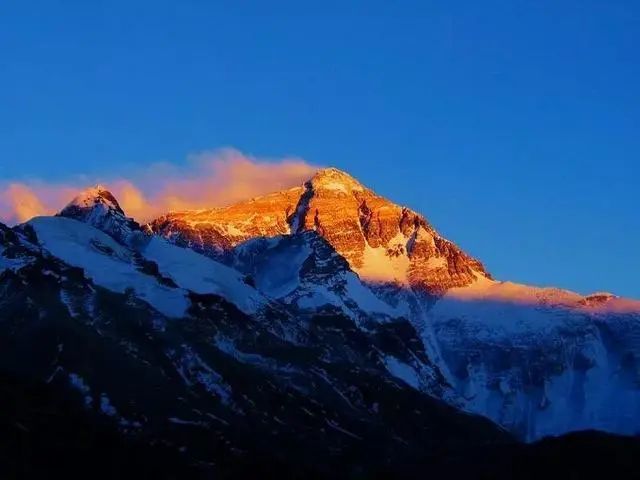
[322, 321]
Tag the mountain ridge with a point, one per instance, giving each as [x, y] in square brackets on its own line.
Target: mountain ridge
[535, 361]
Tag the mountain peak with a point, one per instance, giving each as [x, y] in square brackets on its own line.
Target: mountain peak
[93, 196]
[334, 179]
[384, 243]
[98, 207]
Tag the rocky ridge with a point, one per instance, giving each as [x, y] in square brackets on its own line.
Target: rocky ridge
[383, 242]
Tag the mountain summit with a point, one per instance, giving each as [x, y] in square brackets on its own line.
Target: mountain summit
[98, 207]
[383, 242]
[91, 198]
[334, 179]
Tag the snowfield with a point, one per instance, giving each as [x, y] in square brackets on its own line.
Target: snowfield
[112, 266]
[202, 275]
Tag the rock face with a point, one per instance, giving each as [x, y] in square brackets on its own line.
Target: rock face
[216, 231]
[537, 361]
[383, 242]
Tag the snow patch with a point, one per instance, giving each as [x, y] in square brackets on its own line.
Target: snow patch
[11, 263]
[379, 266]
[402, 371]
[365, 298]
[79, 384]
[105, 261]
[106, 407]
[202, 275]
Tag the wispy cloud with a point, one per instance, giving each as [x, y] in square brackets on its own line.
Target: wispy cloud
[208, 179]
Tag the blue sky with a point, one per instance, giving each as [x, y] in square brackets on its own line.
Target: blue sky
[512, 125]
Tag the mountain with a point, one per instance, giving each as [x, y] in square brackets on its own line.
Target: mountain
[383, 242]
[318, 332]
[538, 361]
[172, 348]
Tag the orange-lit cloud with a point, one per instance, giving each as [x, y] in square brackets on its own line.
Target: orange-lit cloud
[21, 201]
[209, 179]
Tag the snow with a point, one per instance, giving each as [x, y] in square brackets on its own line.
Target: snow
[106, 262]
[319, 297]
[106, 407]
[111, 265]
[336, 180]
[79, 384]
[227, 346]
[507, 308]
[379, 267]
[193, 369]
[338, 428]
[614, 305]
[402, 371]
[335, 186]
[550, 333]
[573, 399]
[65, 298]
[277, 263]
[10, 263]
[180, 421]
[365, 298]
[356, 295]
[89, 197]
[279, 275]
[202, 275]
[324, 376]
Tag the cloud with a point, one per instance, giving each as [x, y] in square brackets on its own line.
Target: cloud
[21, 201]
[208, 179]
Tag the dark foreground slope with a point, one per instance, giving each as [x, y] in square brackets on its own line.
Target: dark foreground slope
[45, 434]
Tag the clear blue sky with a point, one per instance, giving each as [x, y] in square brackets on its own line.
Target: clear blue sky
[512, 125]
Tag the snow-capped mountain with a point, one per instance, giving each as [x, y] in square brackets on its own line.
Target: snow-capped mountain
[323, 320]
[537, 361]
[172, 346]
[383, 242]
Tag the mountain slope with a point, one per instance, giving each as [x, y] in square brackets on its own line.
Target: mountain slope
[228, 387]
[537, 361]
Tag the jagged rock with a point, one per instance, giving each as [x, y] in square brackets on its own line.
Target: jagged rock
[383, 242]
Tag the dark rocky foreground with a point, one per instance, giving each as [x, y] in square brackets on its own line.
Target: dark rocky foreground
[47, 434]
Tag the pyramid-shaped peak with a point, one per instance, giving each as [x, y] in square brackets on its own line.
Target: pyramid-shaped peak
[335, 179]
[93, 196]
[96, 206]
